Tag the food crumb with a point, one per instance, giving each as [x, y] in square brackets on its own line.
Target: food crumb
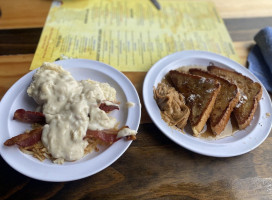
[130, 104]
[267, 114]
[59, 161]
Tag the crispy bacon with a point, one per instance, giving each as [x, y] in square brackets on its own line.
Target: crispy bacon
[108, 108]
[131, 137]
[29, 116]
[30, 138]
[38, 117]
[26, 139]
[107, 136]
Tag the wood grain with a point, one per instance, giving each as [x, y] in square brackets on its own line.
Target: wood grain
[19, 41]
[18, 66]
[158, 169]
[33, 13]
[244, 29]
[23, 14]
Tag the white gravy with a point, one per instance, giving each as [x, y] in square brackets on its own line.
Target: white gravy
[70, 108]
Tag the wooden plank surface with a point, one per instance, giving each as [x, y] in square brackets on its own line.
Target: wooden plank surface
[153, 167]
[159, 169]
[23, 14]
[32, 13]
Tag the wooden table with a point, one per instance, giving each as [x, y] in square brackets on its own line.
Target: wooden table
[153, 167]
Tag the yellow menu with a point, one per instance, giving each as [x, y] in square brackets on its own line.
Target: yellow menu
[130, 35]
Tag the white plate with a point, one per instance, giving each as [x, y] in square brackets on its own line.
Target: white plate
[81, 69]
[241, 142]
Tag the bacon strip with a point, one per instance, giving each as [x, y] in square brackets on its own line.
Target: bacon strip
[38, 117]
[30, 138]
[108, 108]
[29, 116]
[107, 136]
[26, 139]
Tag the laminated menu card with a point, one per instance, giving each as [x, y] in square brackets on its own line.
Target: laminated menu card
[130, 35]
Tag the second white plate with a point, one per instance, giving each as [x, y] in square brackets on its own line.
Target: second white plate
[242, 141]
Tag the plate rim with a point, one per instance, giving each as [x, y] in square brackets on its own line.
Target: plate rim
[149, 83]
[117, 149]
